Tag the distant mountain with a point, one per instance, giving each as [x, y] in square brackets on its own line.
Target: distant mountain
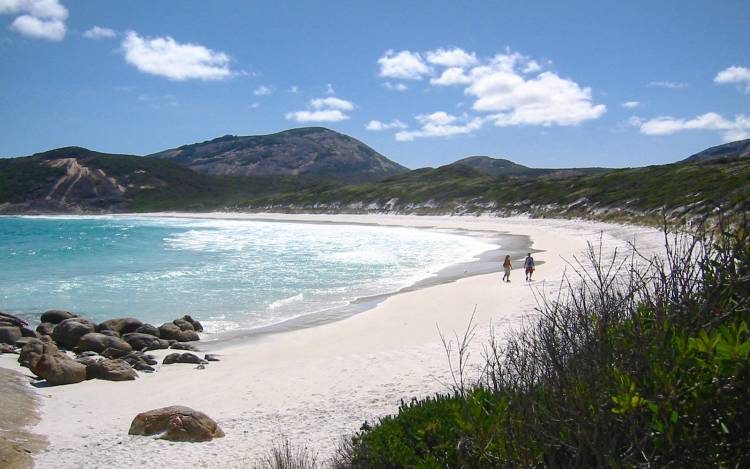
[738, 149]
[314, 151]
[503, 167]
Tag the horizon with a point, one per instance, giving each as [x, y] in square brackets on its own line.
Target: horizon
[613, 88]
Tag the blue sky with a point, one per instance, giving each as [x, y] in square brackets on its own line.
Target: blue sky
[546, 84]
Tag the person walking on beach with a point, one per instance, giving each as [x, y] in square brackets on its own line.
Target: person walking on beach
[528, 265]
[506, 267]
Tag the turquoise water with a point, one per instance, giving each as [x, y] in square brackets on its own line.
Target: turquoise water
[230, 274]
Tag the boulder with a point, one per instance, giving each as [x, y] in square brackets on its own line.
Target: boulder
[56, 316]
[109, 333]
[26, 331]
[148, 329]
[96, 342]
[144, 367]
[183, 325]
[209, 357]
[120, 325]
[58, 369]
[176, 423]
[5, 348]
[45, 328]
[145, 341]
[111, 370]
[183, 346]
[182, 358]
[7, 319]
[169, 330]
[33, 350]
[68, 332]
[10, 334]
[197, 326]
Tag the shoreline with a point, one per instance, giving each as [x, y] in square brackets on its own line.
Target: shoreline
[484, 262]
[316, 384]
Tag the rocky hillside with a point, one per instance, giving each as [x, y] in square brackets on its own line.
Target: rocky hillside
[77, 180]
[313, 151]
[738, 149]
[502, 167]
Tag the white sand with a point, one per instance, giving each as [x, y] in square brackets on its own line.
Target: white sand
[314, 385]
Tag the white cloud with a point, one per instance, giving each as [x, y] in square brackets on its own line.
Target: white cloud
[328, 109]
[328, 115]
[735, 74]
[531, 67]
[294, 89]
[511, 86]
[332, 103]
[40, 19]
[377, 126]
[255, 105]
[263, 90]
[668, 84]
[630, 104]
[441, 124]
[405, 65]
[98, 32]
[731, 130]
[166, 57]
[451, 76]
[544, 100]
[395, 86]
[31, 26]
[329, 89]
[455, 57]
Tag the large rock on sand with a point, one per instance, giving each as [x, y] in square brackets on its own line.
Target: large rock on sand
[145, 341]
[96, 342]
[183, 358]
[56, 316]
[176, 423]
[69, 332]
[110, 370]
[120, 325]
[59, 369]
[44, 360]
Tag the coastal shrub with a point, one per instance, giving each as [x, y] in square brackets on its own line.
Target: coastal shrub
[639, 362]
[283, 455]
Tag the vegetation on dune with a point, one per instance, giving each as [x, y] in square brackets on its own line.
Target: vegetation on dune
[634, 367]
[684, 191]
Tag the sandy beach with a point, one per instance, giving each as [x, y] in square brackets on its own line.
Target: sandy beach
[315, 384]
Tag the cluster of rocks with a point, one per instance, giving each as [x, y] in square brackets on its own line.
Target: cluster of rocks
[112, 350]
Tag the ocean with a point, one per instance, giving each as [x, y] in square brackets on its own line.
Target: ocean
[232, 275]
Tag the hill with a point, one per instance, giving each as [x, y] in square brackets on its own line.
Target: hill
[313, 151]
[503, 167]
[78, 180]
[738, 149]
